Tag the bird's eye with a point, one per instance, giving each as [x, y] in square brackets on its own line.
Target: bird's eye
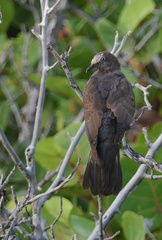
[103, 59]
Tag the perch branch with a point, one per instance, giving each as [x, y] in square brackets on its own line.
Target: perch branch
[126, 191]
[148, 160]
[63, 60]
[65, 162]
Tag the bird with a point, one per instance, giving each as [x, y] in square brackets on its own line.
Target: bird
[109, 108]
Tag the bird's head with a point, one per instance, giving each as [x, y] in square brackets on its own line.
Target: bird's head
[104, 62]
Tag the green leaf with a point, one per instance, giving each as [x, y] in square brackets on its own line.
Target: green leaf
[133, 13]
[46, 155]
[132, 79]
[82, 226]
[52, 207]
[33, 52]
[51, 211]
[4, 114]
[8, 12]
[106, 32]
[51, 150]
[133, 226]
[160, 38]
[59, 85]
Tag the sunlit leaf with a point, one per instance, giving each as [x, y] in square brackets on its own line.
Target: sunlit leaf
[8, 12]
[106, 32]
[82, 226]
[133, 13]
[133, 226]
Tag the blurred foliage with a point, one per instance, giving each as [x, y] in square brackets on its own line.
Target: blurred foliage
[89, 30]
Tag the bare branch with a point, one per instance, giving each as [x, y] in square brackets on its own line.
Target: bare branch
[53, 7]
[56, 220]
[148, 160]
[153, 177]
[14, 107]
[52, 190]
[100, 212]
[144, 130]
[37, 35]
[148, 105]
[145, 92]
[7, 178]
[14, 195]
[13, 155]
[113, 236]
[47, 177]
[65, 162]
[148, 225]
[126, 191]
[148, 35]
[116, 43]
[63, 60]
[139, 75]
[117, 52]
[52, 66]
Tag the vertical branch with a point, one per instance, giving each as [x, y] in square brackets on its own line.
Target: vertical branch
[43, 37]
[99, 198]
[64, 164]
[30, 150]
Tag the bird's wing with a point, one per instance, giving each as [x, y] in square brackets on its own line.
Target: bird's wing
[120, 100]
[109, 91]
[93, 109]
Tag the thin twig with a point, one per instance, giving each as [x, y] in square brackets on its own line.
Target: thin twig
[153, 177]
[148, 105]
[53, 7]
[113, 236]
[47, 177]
[142, 42]
[14, 195]
[145, 93]
[65, 162]
[116, 43]
[51, 191]
[56, 220]
[7, 178]
[13, 155]
[122, 44]
[148, 160]
[145, 133]
[63, 60]
[13, 105]
[139, 75]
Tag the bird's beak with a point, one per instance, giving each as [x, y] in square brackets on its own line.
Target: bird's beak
[90, 67]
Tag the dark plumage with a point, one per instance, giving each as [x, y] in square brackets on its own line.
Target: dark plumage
[108, 110]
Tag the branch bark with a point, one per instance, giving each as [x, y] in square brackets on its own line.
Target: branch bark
[127, 190]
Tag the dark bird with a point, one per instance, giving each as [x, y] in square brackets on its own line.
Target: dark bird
[108, 111]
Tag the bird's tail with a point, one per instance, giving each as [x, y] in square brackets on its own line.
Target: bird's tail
[104, 177]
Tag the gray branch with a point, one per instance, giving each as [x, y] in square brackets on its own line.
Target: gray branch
[13, 155]
[128, 189]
